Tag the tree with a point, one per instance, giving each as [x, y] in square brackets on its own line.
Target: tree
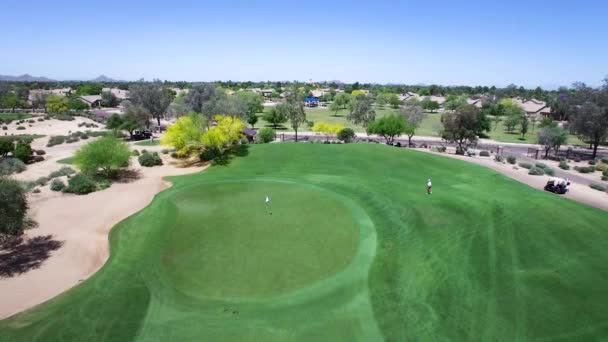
[106, 156]
[199, 95]
[252, 119]
[511, 121]
[430, 105]
[228, 131]
[10, 100]
[178, 107]
[381, 100]
[89, 89]
[362, 111]
[523, 126]
[108, 99]
[275, 117]
[335, 107]
[186, 134]
[389, 127]
[135, 117]
[294, 112]
[13, 207]
[453, 102]
[153, 97]
[39, 100]
[23, 151]
[327, 129]
[357, 92]
[414, 115]
[6, 147]
[56, 104]
[394, 101]
[74, 103]
[346, 135]
[552, 137]
[589, 115]
[342, 100]
[114, 122]
[253, 102]
[265, 135]
[459, 126]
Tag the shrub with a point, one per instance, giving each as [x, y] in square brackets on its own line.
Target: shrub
[498, 158]
[174, 155]
[564, 165]
[525, 165]
[511, 159]
[601, 167]
[84, 137]
[605, 173]
[149, 160]
[209, 154]
[13, 207]
[265, 135]
[9, 166]
[64, 171]
[40, 152]
[598, 187]
[23, 151]
[536, 171]
[80, 184]
[471, 153]
[57, 185]
[135, 153]
[107, 155]
[166, 151]
[440, 149]
[484, 154]
[6, 146]
[549, 171]
[20, 128]
[4, 128]
[36, 191]
[56, 140]
[584, 169]
[592, 162]
[604, 160]
[541, 165]
[577, 160]
[346, 135]
[40, 119]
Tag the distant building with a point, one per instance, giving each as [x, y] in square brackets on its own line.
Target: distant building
[249, 134]
[311, 101]
[119, 93]
[92, 100]
[534, 107]
[474, 102]
[409, 96]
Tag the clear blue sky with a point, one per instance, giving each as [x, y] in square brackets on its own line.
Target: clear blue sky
[530, 43]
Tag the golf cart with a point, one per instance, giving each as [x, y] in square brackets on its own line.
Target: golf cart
[142, 134]
[557, 185]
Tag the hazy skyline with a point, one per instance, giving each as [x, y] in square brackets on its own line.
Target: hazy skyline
[529, 43]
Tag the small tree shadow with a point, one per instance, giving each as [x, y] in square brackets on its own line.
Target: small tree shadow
[19, 255]
[127, 176]
[225, 158]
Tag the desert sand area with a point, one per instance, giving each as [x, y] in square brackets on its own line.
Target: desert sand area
[578, 192]
[81, 224]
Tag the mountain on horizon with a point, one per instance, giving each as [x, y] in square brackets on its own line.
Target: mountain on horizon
[25, 78]
[103, 78]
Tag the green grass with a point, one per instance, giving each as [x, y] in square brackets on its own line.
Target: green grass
[14, 116]
[68, 160]
[148, 143]
[354, 250]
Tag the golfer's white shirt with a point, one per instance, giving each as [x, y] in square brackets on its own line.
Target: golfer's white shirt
[429, 183]
[267, 200]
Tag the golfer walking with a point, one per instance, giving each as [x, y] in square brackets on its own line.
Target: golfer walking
[429, 186]
[267, 202]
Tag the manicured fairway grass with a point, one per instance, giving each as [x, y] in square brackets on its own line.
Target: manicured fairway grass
[68, 160]
[355, 250]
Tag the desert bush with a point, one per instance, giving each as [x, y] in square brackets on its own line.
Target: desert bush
[40, 152]
[31, 121]
[40, 119]
[525, 165]
[107, 156]
[80, 184]
[6, 146]
[20, 128]
[36, 191]
[585, 169]
[23, 151]
[135, 153]
[604, 160]
[564, 165]
[13, 207]
[536, 171]
[592, 162]
[56, 140]
[346, 135]
[149, 160]
[164, 151]
[440, 149]
[511, 159]
[541, 165]
[484, 153]
[549, 171]
[601, 167]
[57, 185]
[37, 159]
[605, 173]
[498, 158]
[265, 135]
[577, 160]
[174, 155]
[84, 137]
[64, 171]
[71, 139]
[4, 128]
[8, 166]
[598, 187]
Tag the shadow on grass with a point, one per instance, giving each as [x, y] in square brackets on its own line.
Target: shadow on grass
[19, 255]
[278, 128]
[235, 151]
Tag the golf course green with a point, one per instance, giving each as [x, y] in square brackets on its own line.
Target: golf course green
[351, 248]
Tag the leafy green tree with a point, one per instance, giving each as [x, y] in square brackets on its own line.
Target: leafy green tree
[89, 89]
[381, 100]
[23, 151]
[200, 95]
[453, 102]
[362, 111]
[6, 146]
[511, 121]
[552, 137]
[75, 104]
[108, 99]
[275, 117]
[135, 117]
[342, 100]
[10, 100]
[227, 132]
[389, 127]
[56, 104]
[114, 122]
[589, 115]
[252, 119]
[347, 135]
[153, 97]
[106, 156]
[13, 207]
[414, 115]
[178, 107]
[523, 129]
[294, 112]
[429, 105]
[394, 101]
[265, 135]
[460, 126]
[254, 103]
[185, 135]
